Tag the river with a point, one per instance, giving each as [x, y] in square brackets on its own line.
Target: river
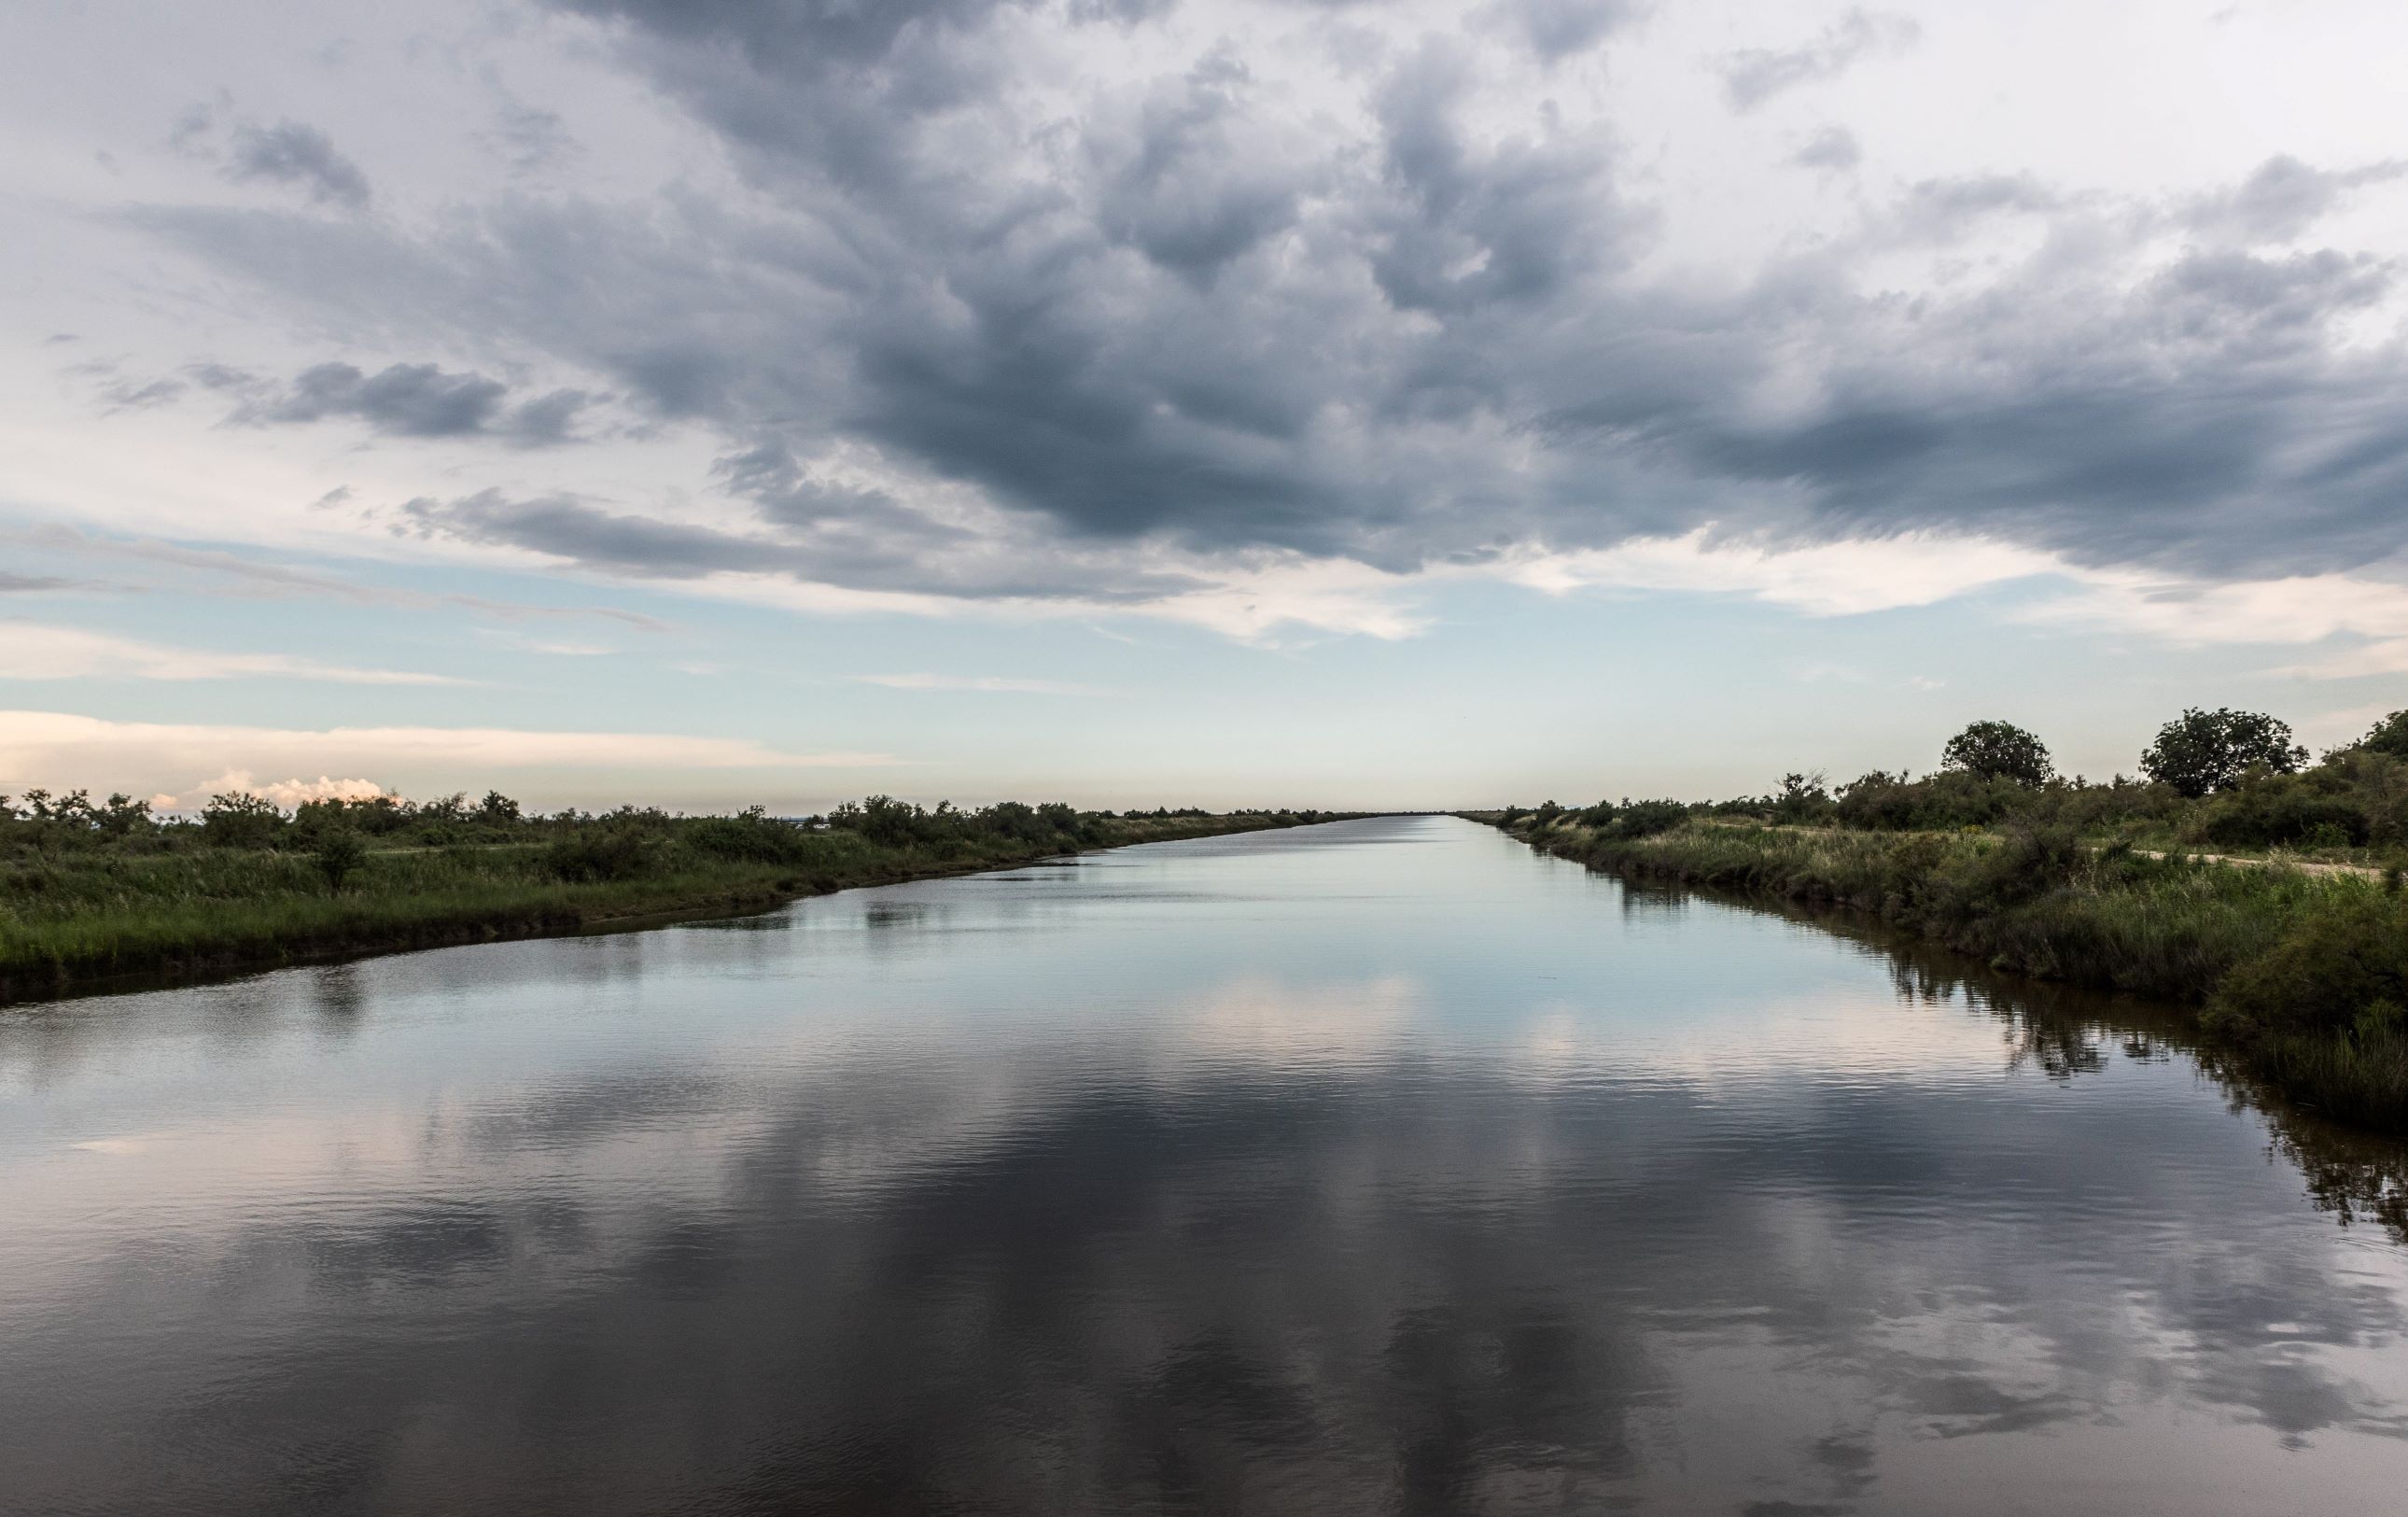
[1379, 1166]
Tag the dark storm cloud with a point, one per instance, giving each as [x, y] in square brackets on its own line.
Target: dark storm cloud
[1180, 312]
[412, 400]
[569, 529]
[1755, 75]
[295, 154]
[855, 538]
[1192, 194]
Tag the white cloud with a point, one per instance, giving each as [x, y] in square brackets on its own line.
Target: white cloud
[31, 651]
[969, 682]
[58, 748]
[1853, 578]
[1823, 579]
[2386, 657]
[2291, 610]
[285, 793]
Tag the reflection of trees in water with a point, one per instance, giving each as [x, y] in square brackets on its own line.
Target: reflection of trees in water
[2064, 1033]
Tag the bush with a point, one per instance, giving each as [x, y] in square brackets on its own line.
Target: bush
[338, 856]
[242, 820]
[1634, 818]
[1804, 799]
[885, 821]
[750, 834]
[1947, 801]
[2031, 863]
[2344, 969]
[2268, 810]
[592, 855]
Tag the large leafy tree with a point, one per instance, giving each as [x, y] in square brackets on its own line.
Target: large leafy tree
[2201, 751]
[2390, 735]
[1999, 751]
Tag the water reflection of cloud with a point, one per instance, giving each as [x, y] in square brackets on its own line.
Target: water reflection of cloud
[1284, 1237]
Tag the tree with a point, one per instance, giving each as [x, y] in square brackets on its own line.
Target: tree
[339, 855]
[888, 822]
[1803, 798]
[241, 820]
[124, 817]
[2202, 751]
[2390, 735]
[1999, 751]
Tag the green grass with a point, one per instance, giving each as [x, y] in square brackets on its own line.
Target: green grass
[2301, 976]
[98, 918]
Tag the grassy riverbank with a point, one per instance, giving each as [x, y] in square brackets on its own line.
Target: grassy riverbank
[2302, 976]
[90, 904]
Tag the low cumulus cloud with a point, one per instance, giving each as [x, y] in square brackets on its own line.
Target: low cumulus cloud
[144, 758]
[287, 793]
[1168, 306]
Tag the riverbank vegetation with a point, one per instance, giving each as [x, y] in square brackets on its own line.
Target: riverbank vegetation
[2295, 962]
[93, 894]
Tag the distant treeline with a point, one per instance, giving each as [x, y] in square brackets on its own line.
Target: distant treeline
[92, 893]
[2212, 778]
[581, 844]
[2302, 974]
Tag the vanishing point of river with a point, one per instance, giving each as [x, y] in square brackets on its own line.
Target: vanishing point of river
[1381, 1166]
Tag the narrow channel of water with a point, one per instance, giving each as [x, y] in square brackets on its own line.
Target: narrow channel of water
[1378, 1167]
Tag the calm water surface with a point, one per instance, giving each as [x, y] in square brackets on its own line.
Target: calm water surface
[1379, 1166]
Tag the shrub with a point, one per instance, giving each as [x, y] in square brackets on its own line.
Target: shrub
[2344, 969]
[1645, 819]
[1947, 801]
[888, 822]
[242, 820]
[2270, 809]
[1803, 798]
[592, 855]
[2031, 863]
[338, 856]
[751, 834]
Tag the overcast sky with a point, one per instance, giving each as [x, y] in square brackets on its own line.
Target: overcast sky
[1250, 401]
